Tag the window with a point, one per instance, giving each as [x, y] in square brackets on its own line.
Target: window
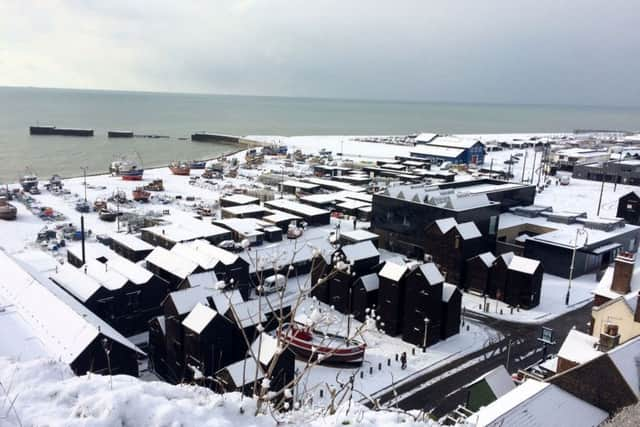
[493, 224]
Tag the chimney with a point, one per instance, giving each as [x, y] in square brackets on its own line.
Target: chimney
[622, 273]
[610, 338]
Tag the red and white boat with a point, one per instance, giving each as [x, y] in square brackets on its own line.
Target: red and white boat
[180, 168]
[326, 348]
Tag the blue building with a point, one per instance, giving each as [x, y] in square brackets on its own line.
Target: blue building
[451, 149]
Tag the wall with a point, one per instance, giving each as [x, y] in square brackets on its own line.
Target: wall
[619, 313]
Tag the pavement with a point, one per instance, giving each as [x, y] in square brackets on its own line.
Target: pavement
[440, 391]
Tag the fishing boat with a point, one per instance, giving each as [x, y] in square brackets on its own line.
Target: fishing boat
[7, 210]
[29, 180]
[83, 206]
[180, 168]
[99, 204]
[155, 185]
[197, 164]
[309, 344]
[129, 170]
[141, 195]
[107, 215]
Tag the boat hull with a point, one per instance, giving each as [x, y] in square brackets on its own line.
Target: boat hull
[306, 349]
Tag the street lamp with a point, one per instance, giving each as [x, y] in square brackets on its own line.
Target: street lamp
[579, 231]
[424, 342]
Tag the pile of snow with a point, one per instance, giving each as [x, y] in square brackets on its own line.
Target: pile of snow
[45, 392]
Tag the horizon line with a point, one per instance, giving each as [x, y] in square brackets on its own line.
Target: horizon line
[324, 98]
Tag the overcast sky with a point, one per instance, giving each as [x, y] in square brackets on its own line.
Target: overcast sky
[544, 51]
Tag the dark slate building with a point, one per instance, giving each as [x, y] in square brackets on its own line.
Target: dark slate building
[177, 307]
[158, 346]
[364, 295]
[112, 296]
[171, 267]
[208, 341]
[498, 277]
[524, 281]
[401, 214]
[451, 245]
[361, 257]
[629, 208]
[423, 305]
[273, 359]
[129, 246]
[391, 293]
[37, 311]
[451, 303]
[478, 272]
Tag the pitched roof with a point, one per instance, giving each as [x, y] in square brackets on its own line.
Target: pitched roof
[447, 291]
[199, 318]
[431, 273]
[222, 255]
[370, 282]
[172, 262]
[185, 299]
[468, 230]
[244, 371]
[360, 250]
[77, 283]
[535, 404]
[103, 274]
[393, 271]
[62, 326]
[446, 224]
[130, 241]
[579, 347]
[626, 357]
[487, 258]
[498, 379]
[203, 258]
[523, 265]
[264, 348]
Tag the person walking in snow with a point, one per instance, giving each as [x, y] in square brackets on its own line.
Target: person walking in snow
[403, 360]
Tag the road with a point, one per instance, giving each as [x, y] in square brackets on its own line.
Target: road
[440, 391]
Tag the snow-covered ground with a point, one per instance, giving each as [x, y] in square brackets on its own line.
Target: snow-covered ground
[380, 369]
[46, 393]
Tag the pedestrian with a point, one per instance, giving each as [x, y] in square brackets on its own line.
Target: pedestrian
[355, 222]
[403, 360]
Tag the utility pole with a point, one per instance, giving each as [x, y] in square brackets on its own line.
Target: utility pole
[601, 191]
[533, 168]
[508, 353]
[491, 169]
[524, 166]
[615, 183]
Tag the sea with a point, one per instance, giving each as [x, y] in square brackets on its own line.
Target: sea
[177, 116]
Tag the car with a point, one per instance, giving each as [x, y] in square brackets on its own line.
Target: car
[274, 283]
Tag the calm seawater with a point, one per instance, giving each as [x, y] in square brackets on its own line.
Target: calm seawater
[179, 115]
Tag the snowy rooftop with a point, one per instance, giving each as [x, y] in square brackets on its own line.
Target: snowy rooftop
[244, 371]
[431, 273]
[185, 299]
[240, 199]
[468, 230]
[371, 282]
[446, 224]
[280, 216]
[359, 234]
[523, 265]
[172, 262]
[453, 142]
[77, 283]
[393, 271]
[298, 208]
[579, 347]
[448, 290]
[264, 348]
[130, 241]
[199, 318]
[327, 183]
[359, 251]
[487, 258]
[204, 259]
[538, 404]
[498, 379]
[604, 286]
[186, 230]
[134, 272]
[436, 151]
[212, 251]
[625, 357]
[299, 184]
[45, 318]
[243, 209]
[103, 274]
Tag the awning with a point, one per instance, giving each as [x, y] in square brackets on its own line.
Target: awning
[606, 248]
